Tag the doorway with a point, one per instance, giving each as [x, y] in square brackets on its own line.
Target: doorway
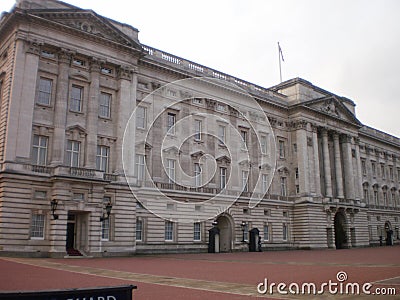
[225, 233]
[70, 240]
[340, 230]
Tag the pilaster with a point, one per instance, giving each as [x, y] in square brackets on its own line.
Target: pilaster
[61, 108]
[327, 164]
[316, 161]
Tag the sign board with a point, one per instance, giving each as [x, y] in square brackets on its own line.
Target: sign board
[100, 293]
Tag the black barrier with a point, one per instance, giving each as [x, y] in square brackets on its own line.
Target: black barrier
[100, 293]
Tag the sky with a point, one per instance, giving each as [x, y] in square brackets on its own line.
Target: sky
[350, 48]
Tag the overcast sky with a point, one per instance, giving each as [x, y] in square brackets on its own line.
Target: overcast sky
[350, 48]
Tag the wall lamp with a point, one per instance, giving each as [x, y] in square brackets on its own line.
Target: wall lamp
[54, 204]
[106, 213]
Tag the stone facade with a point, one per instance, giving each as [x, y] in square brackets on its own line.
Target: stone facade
[69, 81]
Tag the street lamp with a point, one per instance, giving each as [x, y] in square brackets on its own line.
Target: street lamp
[214, 223]
[53, 204]
[106, 215]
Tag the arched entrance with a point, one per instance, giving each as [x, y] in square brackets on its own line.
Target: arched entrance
[225, 233]
[340, 230]
[388, 233]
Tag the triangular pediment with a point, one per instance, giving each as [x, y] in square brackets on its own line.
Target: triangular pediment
[172, 150]
[86, 21]
[333, 107]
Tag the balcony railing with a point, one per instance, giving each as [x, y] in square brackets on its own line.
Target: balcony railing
[82, 172]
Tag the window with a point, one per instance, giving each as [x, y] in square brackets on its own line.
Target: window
[106, 70]
[281, 149]
[391, 173]
[140, 162]
[246, 232]
[76, 98]
[363, 167]
[264, 144]
[222, 177]
[197, 130]
[73, 153]
[105, 229]
[266, 232]
[139, 229]
[222, 135]
[383, 173]
[197, 231]
[103, 153]
[264, 180]
[376, 199]
[105, 105]
[294, 148]
[385, 203]
[171, 121]
[48, 54]
[296, 173]
[245, 179]
[197, 101]
[197, 175]
[366, 194]
[393, 198]
[78, 196]
[373, 167]
[39, 150]
[171, 170]
[45, 86]
[141, 113]
[297, 189]
[169, 231]
[78, 62]
[398, 174]
[283, 186]
[243, 135]
[37, 226]
[221, 107]
[285, 232]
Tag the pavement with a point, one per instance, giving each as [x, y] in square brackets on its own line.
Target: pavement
[220, 275]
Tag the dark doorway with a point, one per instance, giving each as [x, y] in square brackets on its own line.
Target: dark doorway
[225, 234]
[340, 230]
[70, 236]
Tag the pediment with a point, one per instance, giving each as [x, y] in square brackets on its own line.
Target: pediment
[144, 145]
[333, 107]
[172, 150]
[87, 21]
[223, 159]
[197, 154]
[245, 163]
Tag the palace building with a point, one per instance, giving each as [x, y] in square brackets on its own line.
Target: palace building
[73, 84]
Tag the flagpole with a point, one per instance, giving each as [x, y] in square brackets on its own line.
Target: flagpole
[279, 57]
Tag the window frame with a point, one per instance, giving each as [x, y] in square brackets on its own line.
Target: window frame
[140, 117]
[37, 150]
[171, 123]
[140, 164]
[169, 231]
[171, 170]
[37, 230]
[71, 152]
[100, 157]
[197, 232]
[105, 106]
[73, 100]
[222, 177]
[48, 93]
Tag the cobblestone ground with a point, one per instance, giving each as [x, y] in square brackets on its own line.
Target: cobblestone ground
[216, 276]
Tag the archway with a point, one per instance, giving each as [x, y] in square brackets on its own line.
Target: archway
[388, 233]
[340, 230]
[225, 233]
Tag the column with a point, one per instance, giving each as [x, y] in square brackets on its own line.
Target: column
[348, 168]
[20, 111]
[302, 158]
[338, 166]
[316, 161]
[92, 115]
[359, 183]
[327, 164]
[61, 108]
[126, 100]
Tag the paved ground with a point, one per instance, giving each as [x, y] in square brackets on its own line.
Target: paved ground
[214, 276]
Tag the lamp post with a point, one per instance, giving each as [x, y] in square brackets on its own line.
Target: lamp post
[53, 204]
[107, 213]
